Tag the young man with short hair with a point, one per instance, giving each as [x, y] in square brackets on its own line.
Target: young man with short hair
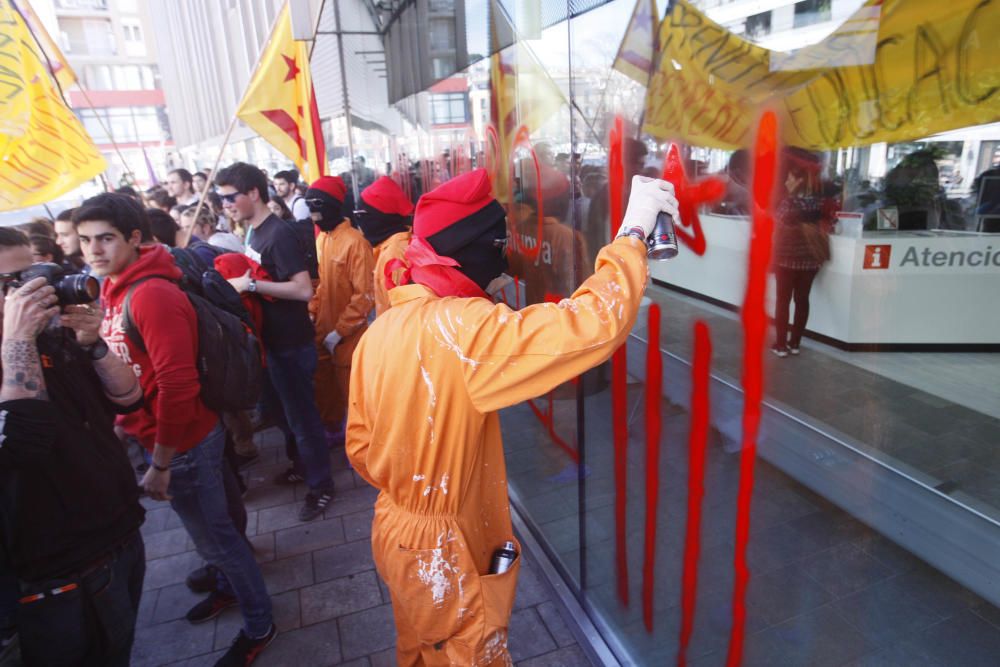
[288, 333]
[285, 184]
[184, 436]
[69, 241]
[180, 185]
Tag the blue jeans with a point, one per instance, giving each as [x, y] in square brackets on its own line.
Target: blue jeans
[91, 624]
[292, 404]
[199, 498]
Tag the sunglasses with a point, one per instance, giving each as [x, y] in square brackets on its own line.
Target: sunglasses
[231, 197]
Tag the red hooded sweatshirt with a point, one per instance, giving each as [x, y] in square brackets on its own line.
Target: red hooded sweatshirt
[173, 414]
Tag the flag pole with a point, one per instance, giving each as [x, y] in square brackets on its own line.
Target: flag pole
[186, 237]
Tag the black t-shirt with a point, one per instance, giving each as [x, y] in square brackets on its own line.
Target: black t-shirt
[275, 247]
[68, 493]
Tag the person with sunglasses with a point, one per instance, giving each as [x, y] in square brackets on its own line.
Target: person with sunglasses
[288, 333]
[69, 511]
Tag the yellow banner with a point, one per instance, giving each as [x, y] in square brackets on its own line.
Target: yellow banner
[280, 104]
[46, 152]
[896, 70]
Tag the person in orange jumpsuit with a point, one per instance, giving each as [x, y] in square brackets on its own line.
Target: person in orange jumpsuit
[422, 427]
[384, 218]
[341, 302]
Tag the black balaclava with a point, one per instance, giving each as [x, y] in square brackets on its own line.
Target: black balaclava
[327, 206]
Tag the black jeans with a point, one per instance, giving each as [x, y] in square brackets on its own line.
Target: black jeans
[792, 283]
[91, 624]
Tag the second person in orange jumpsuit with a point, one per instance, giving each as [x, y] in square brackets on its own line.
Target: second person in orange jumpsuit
[384, 218]
[342, 300]
[428, 378]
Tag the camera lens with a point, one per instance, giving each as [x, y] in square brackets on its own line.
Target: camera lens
[77, 289]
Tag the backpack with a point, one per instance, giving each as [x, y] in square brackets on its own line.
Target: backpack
[304, 231]
[229, 364]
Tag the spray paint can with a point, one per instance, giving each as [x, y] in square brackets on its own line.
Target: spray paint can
[503, 558]
[662, 243]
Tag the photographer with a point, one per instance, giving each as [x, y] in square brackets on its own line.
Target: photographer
[69, 510]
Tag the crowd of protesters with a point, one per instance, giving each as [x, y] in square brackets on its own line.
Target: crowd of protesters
[345, 307]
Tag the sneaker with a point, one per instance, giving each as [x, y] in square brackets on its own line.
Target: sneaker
[794, 351]
[288, 477]
[780, 351]
[210, 607]
[203, 579]
[245, 650]
[314, 505]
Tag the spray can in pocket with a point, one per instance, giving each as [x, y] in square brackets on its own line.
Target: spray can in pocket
[503, 558]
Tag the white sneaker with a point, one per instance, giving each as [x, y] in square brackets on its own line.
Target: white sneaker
[780, 351]
[794, 351]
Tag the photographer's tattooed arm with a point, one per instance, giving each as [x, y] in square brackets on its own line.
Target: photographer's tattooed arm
[22, 371]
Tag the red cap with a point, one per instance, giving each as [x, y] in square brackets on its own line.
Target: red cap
[451, 202]
[331, 185]
[386, 196]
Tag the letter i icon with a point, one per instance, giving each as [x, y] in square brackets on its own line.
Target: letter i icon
[877, 258]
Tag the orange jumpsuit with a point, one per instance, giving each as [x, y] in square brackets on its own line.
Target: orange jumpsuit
[341, 303]
[393, 247]
[422, 427]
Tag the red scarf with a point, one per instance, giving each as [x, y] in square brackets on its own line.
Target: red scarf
[432, 270]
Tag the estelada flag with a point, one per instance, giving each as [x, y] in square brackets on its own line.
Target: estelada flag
[280, 103]
[46, 152]
[54, 59]
[637, 53]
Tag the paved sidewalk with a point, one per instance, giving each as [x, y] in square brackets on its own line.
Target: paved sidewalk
[330, 606]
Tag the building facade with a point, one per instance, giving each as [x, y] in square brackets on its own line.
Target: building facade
[120, 97]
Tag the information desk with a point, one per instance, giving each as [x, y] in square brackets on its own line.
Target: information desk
[883, 288]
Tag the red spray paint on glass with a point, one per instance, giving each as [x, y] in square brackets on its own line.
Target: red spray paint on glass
[690, 196]
[654, 382]
[619, 372]
[697, 446]
[755, 325]
[523, 140]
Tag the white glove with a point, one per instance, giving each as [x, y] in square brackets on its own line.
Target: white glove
[331, 341]
[649, 197]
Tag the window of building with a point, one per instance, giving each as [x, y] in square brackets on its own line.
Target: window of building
[758, 25]
[809, 12]
[134, 43]
[444, 66]
[442, 34]
[448, 108]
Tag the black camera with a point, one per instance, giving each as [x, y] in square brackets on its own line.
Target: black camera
[71, 289]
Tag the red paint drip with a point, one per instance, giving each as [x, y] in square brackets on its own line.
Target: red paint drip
[619, 373]
[697, 446]
[755, 324]
[654, 423]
